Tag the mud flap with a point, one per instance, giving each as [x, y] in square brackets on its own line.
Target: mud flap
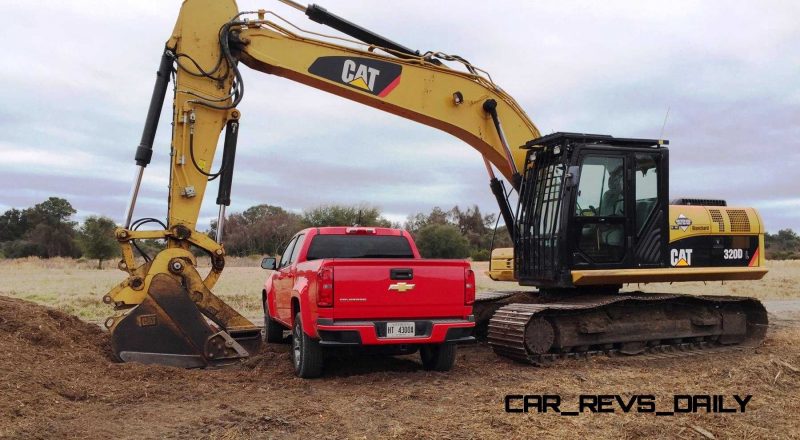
[167, 328]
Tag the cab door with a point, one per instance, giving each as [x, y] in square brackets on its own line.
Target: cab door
[600, 215]
[650, 195]
[283, 280]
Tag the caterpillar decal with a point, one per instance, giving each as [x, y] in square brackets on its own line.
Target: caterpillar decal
[372, 76]
[714, 251]
[680, 257]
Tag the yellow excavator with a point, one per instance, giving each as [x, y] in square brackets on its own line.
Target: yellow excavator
[592, 212]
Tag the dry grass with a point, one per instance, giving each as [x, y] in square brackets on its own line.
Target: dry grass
[782, 282]
[76, 286]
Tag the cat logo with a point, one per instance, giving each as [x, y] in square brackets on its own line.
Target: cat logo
[359, 75]
[680, 257]
[366, 74]
[401, 287]
[683, 222]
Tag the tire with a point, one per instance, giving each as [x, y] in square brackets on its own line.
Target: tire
[306, 352]
[438, 357]
[273, 331]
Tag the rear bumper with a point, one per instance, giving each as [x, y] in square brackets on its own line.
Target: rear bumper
[428, 331]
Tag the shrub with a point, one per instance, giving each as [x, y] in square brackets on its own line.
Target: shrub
[442, 241]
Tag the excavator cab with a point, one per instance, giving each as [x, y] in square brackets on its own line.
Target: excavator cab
[591, 202]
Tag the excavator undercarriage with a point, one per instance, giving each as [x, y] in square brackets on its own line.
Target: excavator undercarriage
[550, 328]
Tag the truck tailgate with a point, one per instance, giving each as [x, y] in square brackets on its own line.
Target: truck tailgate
[398, 288]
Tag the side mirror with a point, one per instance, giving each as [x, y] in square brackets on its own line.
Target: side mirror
[269, 263]
[573, 176]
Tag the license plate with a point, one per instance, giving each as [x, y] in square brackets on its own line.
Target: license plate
[399, 329]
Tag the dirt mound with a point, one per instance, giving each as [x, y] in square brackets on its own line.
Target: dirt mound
[48, 328]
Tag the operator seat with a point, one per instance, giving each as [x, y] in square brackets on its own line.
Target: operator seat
[612, 204]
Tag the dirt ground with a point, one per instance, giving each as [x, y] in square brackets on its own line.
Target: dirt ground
[57, 381]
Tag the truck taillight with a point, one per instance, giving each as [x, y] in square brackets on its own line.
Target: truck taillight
[325, 290]
[469, 287]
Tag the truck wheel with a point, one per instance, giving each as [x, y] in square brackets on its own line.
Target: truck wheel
[438, 357]
[273, 331]
[306, 352]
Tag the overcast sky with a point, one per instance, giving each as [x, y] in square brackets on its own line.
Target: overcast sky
[77, 78]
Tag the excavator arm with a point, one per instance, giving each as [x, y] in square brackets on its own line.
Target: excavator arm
[166, 312]
[413, 88]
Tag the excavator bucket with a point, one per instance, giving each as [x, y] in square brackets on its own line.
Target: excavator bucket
[168, 328]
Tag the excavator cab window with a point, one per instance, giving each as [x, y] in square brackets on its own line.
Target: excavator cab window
[600, 208]
[601, 187]
[646, 188]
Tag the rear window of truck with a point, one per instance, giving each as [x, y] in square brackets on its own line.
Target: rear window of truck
[359, 246]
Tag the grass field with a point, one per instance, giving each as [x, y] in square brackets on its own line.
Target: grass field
[76, 287]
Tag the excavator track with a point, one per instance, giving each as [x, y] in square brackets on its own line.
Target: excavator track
[655, 326]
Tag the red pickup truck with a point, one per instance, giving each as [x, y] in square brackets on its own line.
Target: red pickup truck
[342, 286]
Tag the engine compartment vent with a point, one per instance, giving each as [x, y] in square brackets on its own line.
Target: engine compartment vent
[738, 220]
[698, 202]
[716, 217]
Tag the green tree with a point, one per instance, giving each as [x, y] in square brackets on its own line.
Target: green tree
[20, 249]
[53, 211]
[342, 215]
[501, 238]
[57, 240]
[13, 225]
[441, 241]
[44, 230]
[437, 216]
[784, 245]
[260, 229]
[97, 239]
[476, 227]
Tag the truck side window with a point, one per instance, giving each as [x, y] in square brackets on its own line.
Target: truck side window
[298, 245]
[285, 258]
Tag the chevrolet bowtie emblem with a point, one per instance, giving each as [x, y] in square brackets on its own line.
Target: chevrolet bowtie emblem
[401, 287]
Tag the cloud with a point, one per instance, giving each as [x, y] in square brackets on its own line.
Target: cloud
[76, 92]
